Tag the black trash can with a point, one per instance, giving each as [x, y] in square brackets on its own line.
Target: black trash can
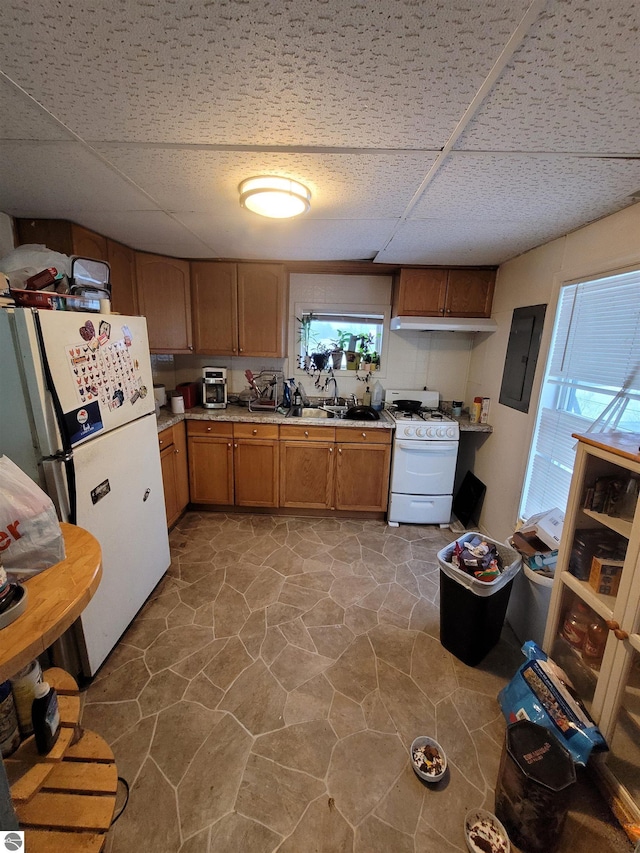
[534, 787]
[472, 612]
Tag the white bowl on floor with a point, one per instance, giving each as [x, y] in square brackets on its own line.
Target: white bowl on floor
[485, 826]
[436, 771]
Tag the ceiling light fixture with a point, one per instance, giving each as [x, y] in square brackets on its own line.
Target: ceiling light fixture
[278, 198]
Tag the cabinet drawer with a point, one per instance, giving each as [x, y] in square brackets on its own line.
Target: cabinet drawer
[307, 433]
[359, 435]
[249, 430]
[219, 429]
[165, 438]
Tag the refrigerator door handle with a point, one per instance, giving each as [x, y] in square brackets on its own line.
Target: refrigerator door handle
[61, 489]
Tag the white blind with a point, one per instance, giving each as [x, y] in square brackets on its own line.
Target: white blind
[596, 343]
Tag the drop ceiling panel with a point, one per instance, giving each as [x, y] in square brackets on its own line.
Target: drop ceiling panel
[462, 241]
[573, 84]
[22, 118]
[245, 235]
[154, 231]
[342, 185]
[396, 73]
[560, 190]
[61, 179]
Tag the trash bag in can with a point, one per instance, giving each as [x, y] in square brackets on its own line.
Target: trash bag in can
[534, 787]
[472, 611]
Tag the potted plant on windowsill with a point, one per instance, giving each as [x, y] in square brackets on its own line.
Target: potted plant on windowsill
[320, 356]
[304, 338]
[353, 357]
[338, 348]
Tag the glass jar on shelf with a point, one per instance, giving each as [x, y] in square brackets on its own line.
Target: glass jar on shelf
[576, 623]
[594, 642]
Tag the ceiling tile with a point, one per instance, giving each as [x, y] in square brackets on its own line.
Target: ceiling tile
[397, 73]
[61, 179]
[342, 185]
[23, 118]
[244, 235]
[573, 84]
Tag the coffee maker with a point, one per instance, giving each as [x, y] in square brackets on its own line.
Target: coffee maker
[214, 387]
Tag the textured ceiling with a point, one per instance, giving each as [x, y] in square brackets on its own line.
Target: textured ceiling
[458, 131]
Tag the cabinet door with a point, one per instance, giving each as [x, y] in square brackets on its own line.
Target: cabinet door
[214, 295]
[169, 484]
[262, 309]
[181, 465]
[87, 243]
[164, 298]
[306, 474]
[122, 261]
[470, 293]
[211, 470]
[55, 234]
[362, 477]
[419, 292]
[256, 472]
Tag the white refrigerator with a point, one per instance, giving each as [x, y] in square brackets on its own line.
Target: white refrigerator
[77, 414]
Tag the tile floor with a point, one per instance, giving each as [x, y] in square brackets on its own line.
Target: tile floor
[265, 697]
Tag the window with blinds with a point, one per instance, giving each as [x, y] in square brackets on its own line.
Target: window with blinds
[592, 381]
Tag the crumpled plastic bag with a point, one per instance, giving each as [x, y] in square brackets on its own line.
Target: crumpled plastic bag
[30, 536]
[478, 558]
[541, 691]
[30, 259]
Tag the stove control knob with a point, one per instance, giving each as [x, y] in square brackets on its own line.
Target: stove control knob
[431, 431]
[451, 432]
[442, 432]
[421, 432]
[408, 431]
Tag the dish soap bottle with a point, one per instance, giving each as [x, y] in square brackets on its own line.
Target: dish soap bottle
[45, 716]
[366, 397]
[376, 396]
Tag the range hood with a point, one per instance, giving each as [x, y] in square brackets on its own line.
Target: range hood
[443, 324]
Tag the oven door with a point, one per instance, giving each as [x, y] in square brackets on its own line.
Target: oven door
[424, 467]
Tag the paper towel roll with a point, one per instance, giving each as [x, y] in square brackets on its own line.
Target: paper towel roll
[160, 393]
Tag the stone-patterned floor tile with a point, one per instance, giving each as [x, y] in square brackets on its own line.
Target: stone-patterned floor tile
[230, 612]
[363, 768]
[298, 596]
[390, 617]
[242, 574]
[432, 669]
[488, 757]
[278, 613]
[331, 640]
[429, 840]
[236, 833]
[201, 690]
[374, 836]
[122, 654]
[311, 701]
[112, 719]
[180, 615]
[296, 634]
[192, 572]
[195, 663]
[265, 589]
[127, 682]
[380, 567]
[131, 749]
[275, 795]
[256, 699]
[400, 601]
[376, 598]
[304, 746]
[354, 673]
[360, 620]
[347, 551]
[162, 690]
[314, 577]
[220, 761]
[160, 605]
[326, 612]
[396, 549]
[412, 713]
[142, 632]
[227, 665]
[294, 666]
[253, 632]
[180, 732]
[198, 843]
[393, 645]
[285, 561]
[452, 735]
[425, 617]
[176, 644]
[273, 643]
[376, 715]
[476, 709]
[496, 730]
[446, 803]
[402, 806]
[150, 821]
[346, 716]
[322, 829]
[428, 588]
[348, 590]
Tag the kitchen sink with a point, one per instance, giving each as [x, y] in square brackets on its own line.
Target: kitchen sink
[315, 413]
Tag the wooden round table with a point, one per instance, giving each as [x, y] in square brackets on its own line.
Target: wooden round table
[57, 596]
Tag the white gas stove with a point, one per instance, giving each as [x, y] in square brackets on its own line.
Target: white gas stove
[425, 451]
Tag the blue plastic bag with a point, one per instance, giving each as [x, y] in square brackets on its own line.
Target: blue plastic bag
[539, 692]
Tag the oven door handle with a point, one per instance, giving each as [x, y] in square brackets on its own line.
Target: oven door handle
[433, 447]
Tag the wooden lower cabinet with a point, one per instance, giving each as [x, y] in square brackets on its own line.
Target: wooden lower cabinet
[233, 464]
[350, 472]
[175, 475]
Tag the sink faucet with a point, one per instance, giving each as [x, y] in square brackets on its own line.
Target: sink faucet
[335, 386]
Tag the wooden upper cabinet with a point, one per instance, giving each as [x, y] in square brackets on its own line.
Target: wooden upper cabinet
[263, 295]
[470, 293]
[62, 236]
[214, 295]
[164, 298]
[122, 261]
[443, 292]
[419, 293]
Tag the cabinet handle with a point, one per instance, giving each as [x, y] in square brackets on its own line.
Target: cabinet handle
[612, 625]
[176, 450]
[254, 432]
[235, 445]
[364, 435]
[229, 445]
[331, 450]
[306, 432]
[448, 310]
[191, 348]
[208, 429]
[340, 450]
[239, 349]
[161, 443]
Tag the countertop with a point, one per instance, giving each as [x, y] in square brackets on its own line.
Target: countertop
[239, 414]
